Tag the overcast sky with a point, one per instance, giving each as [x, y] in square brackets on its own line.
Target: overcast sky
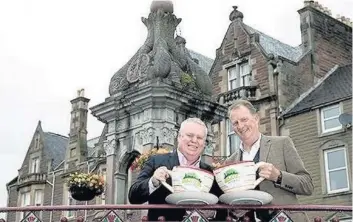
[49, 49]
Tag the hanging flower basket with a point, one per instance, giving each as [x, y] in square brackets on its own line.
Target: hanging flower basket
[82, 193]
[84, 187]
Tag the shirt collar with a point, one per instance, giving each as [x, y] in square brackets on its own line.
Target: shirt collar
[254, 148]
[183, 161]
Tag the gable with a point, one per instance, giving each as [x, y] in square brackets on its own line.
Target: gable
[35, 145]
[336, 86]
[46, 145]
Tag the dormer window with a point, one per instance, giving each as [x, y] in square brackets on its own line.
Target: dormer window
[239, 75]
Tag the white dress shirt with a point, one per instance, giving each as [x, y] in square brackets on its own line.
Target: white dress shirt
[249, 156]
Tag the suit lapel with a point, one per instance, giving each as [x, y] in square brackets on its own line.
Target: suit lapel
[265, 146]
[173, 159]
[204, 166]
[237, 155]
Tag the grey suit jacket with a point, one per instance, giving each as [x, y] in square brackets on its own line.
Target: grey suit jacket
[281, 152]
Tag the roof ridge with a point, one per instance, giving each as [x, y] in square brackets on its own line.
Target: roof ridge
[310, 90]
[262, 33]
[56, 134]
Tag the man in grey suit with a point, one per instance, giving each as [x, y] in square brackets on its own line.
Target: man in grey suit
[283, 170]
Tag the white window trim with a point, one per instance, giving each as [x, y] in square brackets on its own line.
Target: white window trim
[40, 201]
[323, 130]
[239, 76]
[231, 79]
[328, 186]
[228, 143]
[24, 213]
[35, 168]
[228, 134]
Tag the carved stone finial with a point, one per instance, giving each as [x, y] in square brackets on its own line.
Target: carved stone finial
[308, 2]
[235, 14]
[167, 6]
[81, 93]
[161, 56]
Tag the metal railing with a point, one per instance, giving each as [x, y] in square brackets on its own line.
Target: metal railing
[110, 210]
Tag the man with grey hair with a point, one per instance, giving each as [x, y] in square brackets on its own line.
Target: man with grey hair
[282, 168]
[147, 187]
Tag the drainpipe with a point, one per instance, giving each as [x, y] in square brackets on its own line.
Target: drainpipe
[52, 184]
[52, 196]
[87, 201]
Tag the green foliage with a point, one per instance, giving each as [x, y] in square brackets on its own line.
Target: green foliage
[187, 80]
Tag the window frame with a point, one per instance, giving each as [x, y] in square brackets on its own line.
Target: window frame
[322, 119]
[239, 77]
[229, 133]
[232, 79]
[242, 75]
[24, 213]
[41, 197]
[327, 171]
[35, 164]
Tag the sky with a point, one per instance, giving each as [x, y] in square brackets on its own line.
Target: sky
[50, 49]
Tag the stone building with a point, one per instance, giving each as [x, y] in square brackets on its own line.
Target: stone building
[271, 74]
[164, 83]
[320, 124]
[275, 76]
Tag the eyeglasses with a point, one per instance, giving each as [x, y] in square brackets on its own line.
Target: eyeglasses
[191, 136]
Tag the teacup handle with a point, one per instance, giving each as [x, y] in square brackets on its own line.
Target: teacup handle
[260, 179]
[166, 185]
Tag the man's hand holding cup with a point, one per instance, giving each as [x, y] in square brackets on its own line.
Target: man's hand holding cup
[160, 175]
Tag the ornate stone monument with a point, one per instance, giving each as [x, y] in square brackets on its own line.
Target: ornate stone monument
[159, 87]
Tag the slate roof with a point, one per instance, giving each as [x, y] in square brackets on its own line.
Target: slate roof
[204, 62]
[276, 47]
[90, 145]
[55, 147]
[334, 87]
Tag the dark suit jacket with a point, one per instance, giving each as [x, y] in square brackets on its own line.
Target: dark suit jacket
[139, 190]
[296, 180]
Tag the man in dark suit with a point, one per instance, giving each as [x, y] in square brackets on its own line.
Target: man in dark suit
[283, 170]
[148, 188]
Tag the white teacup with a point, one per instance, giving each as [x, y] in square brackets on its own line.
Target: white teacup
[238, 177]
[189, 179]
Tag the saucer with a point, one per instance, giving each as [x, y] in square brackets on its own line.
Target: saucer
[246, 197]
[190, 197]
